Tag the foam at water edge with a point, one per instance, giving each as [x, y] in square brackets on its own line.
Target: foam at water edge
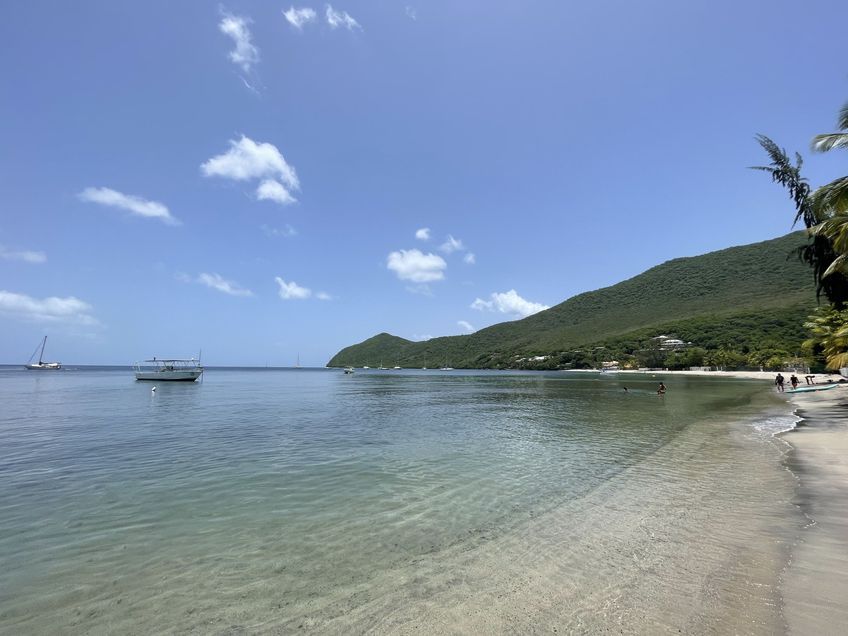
[774, 424]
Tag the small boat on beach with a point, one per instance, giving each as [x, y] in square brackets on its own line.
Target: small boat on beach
[811, 389]
[41, 365]
[169, 370]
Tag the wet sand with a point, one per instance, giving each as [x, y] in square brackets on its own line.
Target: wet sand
[815, 584]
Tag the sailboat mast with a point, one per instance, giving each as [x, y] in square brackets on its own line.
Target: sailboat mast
[41, 355]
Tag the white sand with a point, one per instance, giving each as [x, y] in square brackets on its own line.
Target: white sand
[815, 585]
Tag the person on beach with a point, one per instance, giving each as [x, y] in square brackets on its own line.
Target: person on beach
[778, 382]
[661, 390]
[794, 382]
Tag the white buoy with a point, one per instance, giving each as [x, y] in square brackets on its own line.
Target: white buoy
[153, 390]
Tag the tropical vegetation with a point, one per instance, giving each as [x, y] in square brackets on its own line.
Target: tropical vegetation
[824, 212]
[739, 307]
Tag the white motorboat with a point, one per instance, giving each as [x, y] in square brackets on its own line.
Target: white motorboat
[169, 370]
[348, 370]
[41, 365]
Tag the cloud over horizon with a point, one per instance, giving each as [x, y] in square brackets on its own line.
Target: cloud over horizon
[27, 256]
[465, 325]
[136, 205]
[508, 303]
[415, 266]
[71, 310]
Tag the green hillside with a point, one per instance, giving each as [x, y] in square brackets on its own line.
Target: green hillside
[742, 298]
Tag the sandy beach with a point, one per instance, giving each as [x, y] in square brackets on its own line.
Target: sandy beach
[815, 584]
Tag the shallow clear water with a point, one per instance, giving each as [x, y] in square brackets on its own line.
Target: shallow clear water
[275, 499]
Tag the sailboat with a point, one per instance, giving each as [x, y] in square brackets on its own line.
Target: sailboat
[41, 365]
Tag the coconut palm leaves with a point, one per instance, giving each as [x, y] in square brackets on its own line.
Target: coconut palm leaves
[829, 141]
[819, 253]
[782, 171]
[829, 203]
[829, 334]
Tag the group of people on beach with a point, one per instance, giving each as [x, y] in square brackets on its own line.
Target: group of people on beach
[794, 381]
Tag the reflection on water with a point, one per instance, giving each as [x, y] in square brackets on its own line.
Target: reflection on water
[265, 499]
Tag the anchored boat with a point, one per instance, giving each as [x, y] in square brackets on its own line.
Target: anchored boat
[169, 369]
[41, 365]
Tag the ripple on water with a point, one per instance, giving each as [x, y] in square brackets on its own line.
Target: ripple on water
[280, 499]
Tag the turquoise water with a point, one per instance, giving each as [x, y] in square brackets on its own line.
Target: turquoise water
[265, 500]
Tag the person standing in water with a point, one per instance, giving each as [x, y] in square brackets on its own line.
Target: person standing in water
[794, 382]
[661, 389]
[778, 382]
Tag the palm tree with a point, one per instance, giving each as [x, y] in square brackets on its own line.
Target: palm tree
[829, 333]
[830, 202]
[819, 251]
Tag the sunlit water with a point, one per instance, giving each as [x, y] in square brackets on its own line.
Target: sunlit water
[272, 500]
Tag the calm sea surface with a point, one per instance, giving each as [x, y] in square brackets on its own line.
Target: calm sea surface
[274, 500]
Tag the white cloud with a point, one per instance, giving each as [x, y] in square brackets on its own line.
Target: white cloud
[292, 291]
[323, 296]
[286, 231]
[465, 325]
[245, 54]
[422, 337]
[274, 191]
[341, 19]
[470, 258]
[27, 256]
[451, 245]
[133, 204]
[411, 13]
[298, 17]
[52, 309]
[215, 281]
[413, 265]
[423, 234]
[508, 303]
[247, 160]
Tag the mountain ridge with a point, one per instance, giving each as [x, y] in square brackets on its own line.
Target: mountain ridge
[757, 283]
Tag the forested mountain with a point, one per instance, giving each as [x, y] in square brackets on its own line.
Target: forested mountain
[742, 300]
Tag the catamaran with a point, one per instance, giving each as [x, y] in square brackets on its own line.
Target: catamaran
[169, 369]
[41, 365]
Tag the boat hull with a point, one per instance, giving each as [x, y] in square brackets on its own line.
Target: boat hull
[168, 376]
[812, 389]
[50, 366]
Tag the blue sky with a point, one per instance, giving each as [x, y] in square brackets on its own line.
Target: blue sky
[179, 176]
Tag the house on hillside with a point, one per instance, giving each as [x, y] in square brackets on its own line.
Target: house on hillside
[667, 343]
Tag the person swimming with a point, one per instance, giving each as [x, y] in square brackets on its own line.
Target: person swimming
[661, 389]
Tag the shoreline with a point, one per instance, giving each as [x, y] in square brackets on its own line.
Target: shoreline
[815, 581]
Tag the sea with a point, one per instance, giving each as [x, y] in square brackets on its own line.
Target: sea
[458, 502]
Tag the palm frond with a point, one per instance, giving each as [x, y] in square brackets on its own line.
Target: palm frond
[829, 141]
[831, 199]
[842, 121]
[839, 264]
[782, 171]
